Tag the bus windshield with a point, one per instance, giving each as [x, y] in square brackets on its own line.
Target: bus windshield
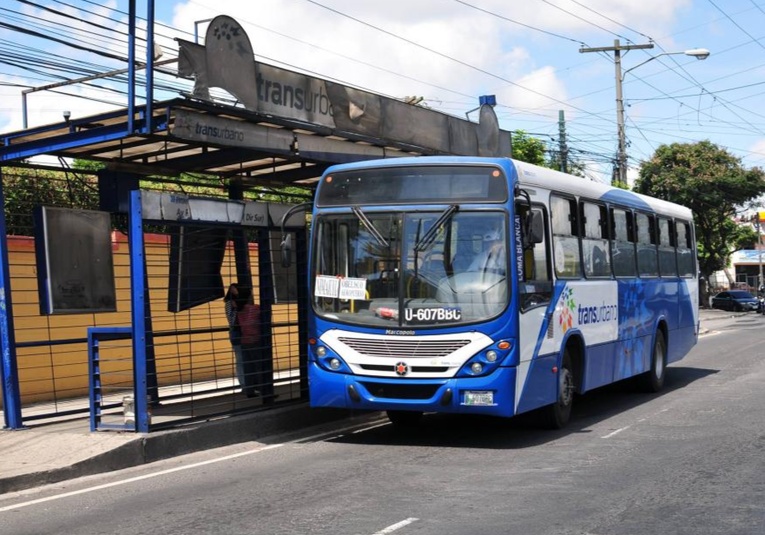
[399, 269]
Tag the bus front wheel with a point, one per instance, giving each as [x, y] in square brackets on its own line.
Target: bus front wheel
[557, 415]
[653, 380]
[404, 419]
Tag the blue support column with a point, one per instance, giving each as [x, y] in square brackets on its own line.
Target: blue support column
[239, 237]
[9, 370]
[149, 65]
[304, 304]
[267, 298]
[131, 66]
[95, 385]
[138, 310]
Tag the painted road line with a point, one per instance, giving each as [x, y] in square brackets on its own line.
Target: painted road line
[137, 478]
[612, 433]
[394, 527]
[353, 428]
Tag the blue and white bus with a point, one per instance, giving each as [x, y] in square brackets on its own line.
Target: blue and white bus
[491, 286]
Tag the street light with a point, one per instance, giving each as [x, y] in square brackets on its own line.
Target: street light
[698, 53]
[621, 157]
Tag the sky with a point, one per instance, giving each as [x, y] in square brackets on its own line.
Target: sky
[449, 52]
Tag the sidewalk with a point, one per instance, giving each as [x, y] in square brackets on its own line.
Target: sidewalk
[709, 316]
[65, 450]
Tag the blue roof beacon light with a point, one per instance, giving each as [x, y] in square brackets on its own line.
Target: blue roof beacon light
[490, 100]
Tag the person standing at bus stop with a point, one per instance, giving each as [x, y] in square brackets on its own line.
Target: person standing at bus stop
[257, 373]
[234, 332]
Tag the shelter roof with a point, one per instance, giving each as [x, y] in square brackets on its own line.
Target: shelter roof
[277, 161]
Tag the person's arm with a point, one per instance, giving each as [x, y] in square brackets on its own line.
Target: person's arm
[230, 313]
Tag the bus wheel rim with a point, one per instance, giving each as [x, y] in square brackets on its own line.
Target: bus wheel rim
[659, 361]
[566, 387]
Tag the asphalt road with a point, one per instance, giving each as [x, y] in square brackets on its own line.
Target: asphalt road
[690, 460]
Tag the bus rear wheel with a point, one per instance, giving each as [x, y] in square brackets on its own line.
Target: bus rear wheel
[653, 380]
[557, 415]
[404, 419]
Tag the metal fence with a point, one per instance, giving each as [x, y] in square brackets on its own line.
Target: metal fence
[191, 370]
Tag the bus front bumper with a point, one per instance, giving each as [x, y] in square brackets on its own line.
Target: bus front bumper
[493, 394]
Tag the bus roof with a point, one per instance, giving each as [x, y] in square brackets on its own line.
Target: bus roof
[529, 175]
[532, 175]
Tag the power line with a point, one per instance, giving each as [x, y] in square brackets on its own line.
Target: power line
[736, 24]
[445, 56]
[546, 32]
[611, 20]
[585, 20]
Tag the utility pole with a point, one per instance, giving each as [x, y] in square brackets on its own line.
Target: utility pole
[562, 141]
[760, 281]
[621, 156]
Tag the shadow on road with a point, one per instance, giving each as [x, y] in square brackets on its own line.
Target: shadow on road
[523, 431]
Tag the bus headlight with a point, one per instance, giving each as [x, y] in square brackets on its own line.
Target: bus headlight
[328, 360]
[491, 355]
[476, 368]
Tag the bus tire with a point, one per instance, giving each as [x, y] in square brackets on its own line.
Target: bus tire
[557, 415]
[653, 380]
[404, 419]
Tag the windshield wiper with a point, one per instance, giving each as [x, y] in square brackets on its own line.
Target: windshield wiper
[370, 226]
[430, 236]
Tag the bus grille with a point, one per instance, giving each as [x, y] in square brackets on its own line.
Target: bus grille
[392, 368]
[404, 348]
[400, 391]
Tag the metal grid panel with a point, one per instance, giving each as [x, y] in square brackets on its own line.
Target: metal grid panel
[194, 365]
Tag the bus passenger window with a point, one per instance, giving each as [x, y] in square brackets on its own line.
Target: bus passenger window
[565, 237]
[648, 265]
[667, 263]
[595, 254]
[536, 286]
[685, 260]
[623, 244]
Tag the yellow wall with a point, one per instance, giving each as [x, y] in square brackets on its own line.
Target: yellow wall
[58, 372]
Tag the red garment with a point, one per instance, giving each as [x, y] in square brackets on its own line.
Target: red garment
[249, 322]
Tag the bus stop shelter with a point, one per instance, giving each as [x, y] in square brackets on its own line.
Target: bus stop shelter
[285, 129]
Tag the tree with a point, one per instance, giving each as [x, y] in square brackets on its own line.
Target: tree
[207, 185]
[27, 188]
[573, 167]
[532, 150]
[287, 195]
[528, 149]
[714, 184]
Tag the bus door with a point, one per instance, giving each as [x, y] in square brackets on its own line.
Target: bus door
[535, 290]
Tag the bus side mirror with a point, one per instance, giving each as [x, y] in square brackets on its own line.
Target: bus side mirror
[535, 229]
[286, 246]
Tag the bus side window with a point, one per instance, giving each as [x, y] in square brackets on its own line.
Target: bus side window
[565, 226]
[536, 286]
[648, 264]
[667, 260]
[623, 243]
[595, 254]
[685, 260]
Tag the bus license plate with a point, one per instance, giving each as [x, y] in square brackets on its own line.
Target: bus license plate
[479, 398]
